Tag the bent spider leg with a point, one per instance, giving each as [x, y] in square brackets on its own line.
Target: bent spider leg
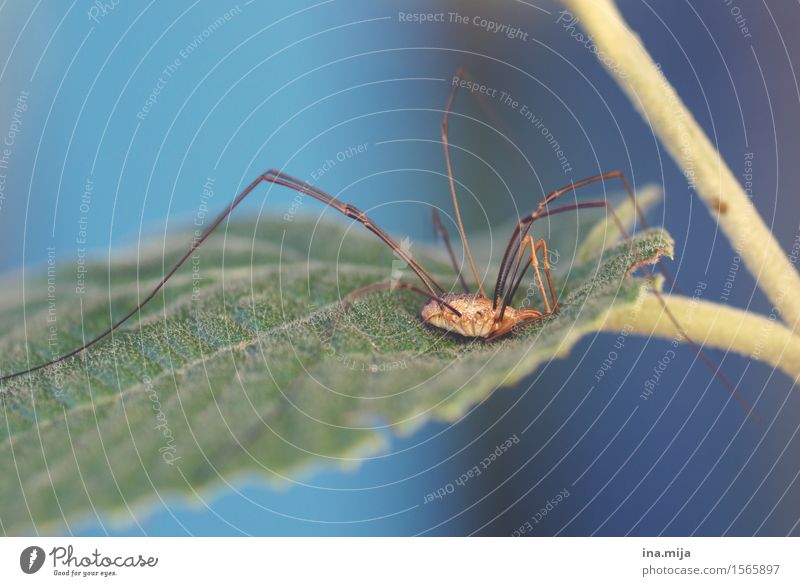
[271, 176]
[440, 230]
[195, 244]
[640, 215]
[533, 261]
[274, 176]
[528, 316]
[453, 195]
[462, 72]
[516, 275]
[524, 224]
[696, 348]
[367, 289]
[522, 227]
[546, 263]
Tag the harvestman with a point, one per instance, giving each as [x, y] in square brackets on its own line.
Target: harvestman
[473, 315]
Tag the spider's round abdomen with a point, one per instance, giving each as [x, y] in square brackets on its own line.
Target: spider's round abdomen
[477, 319]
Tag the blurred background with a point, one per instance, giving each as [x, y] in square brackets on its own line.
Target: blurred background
[141, 104]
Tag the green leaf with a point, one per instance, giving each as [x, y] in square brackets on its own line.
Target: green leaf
[248, 363]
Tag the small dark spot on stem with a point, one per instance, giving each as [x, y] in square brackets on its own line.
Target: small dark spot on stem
[720, 206]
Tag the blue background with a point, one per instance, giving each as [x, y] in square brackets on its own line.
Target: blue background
[289, 85]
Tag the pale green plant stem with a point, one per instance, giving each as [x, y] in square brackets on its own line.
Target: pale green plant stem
[624, 55]
[710, 325]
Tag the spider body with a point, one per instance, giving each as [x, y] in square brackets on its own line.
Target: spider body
[476, 317]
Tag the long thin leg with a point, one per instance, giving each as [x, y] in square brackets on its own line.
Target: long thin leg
[448, 161]
[529, 315]
[367, 289]
[642, 220]
[517, 270]
[524, 224]
[462, 72]
[440, 229]
[542, 213]
[546, 263]
[354, 213]
[271, 176]
[533, 261]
